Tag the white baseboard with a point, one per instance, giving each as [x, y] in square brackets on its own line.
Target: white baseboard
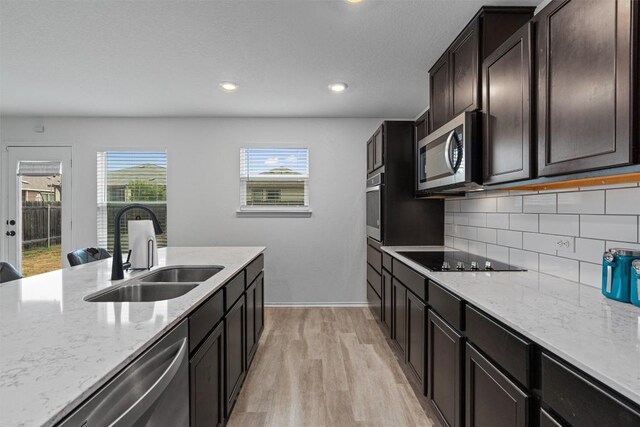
[315, 304]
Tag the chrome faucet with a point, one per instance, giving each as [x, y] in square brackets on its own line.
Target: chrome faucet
[117, 269]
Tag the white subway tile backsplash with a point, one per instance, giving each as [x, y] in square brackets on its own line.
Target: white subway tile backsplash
[568, 225]
[623, 201]
[461, 244]
[539, 203]
[461, 218]
[561, 267]
[524, 259]
[589, 250]
[478, 248]
[499, 253]
[487, 235]
[512, 239]
[591, 274]
[524, 227]
[478, 205]
[581, 202]
[498, 220]
[612, 227]
[509, 204]
[478, 219]
[524, 222]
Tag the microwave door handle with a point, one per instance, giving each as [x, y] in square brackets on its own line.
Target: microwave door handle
[447, 150]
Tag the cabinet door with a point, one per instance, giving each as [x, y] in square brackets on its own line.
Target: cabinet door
[207, 381]
[259, 306]
[422, 126]
[464, 66]
[235, 351]
[507, 110]
[416, 328]
[250, 335]
[378, 148]
[399, 293]
[439, 106]
[491, 398]
[387, 301]
[444, 370]
[370, 154]
[547, 420]
[584, 85]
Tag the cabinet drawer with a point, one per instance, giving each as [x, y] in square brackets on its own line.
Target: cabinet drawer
[409, 278]
[508, 350]
[374, 279]
[447, 305]
[202, 321]
[253, 269]
[233, 289]
[581, 402]
[387, 262]
[374, 258]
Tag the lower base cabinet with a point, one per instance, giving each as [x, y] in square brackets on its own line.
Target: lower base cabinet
[398, 297]
[206, 369]
[444, 373]
[416, 328]
[386, 300]
[374, 301]
[491, 398]
[255, 313]
[547, 420]
[235, 340]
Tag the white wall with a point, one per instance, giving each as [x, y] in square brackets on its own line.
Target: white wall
[523, 228]
[312, 260]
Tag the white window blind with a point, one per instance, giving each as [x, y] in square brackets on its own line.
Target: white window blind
[126, 177]
[274, 178]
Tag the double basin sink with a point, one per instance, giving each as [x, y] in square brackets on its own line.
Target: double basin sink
[162, 284]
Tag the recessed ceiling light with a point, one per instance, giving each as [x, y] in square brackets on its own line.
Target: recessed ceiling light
[338, 87]
[354, 1]
[228, 86]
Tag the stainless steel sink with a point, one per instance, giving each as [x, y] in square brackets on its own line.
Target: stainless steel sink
[162, 284]
[141, 292]
[180, 274]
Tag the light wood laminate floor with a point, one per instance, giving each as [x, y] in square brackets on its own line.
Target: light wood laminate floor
[326, 367]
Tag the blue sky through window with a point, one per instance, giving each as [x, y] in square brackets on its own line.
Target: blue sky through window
[259, 161]
[125, 159]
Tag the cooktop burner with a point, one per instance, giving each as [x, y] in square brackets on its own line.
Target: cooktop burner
[457, 261]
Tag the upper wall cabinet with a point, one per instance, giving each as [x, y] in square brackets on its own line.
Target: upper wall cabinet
[422, 126]
[506, 95]
[587, 78]
[454, 81]
[375, 150]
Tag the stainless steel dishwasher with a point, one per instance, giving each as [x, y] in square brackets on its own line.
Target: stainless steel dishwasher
[152, 391]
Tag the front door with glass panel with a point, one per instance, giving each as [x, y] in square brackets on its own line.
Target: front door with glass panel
[38, 224]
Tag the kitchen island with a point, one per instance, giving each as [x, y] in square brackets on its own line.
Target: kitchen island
[56, 349]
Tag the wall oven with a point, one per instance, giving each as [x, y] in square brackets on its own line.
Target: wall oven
[375, 187]
[450, 158]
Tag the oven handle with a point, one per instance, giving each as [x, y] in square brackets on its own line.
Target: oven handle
[374, 188]
[447, 148]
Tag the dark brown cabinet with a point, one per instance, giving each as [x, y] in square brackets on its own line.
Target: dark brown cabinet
[547, 420]
[491, 398]
[454, 80]
[422, 126]
[586, 85]
[387, 302]
[255, 315]
[399, 296]
[370, 155]
[235, 344]
[207, 381]
[507, 125]
[445, 370]
[416, 329]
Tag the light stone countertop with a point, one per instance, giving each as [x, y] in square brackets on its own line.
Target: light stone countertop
[56, 349]
[597, 335]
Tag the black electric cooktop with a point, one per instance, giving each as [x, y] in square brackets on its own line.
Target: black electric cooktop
[457, 261]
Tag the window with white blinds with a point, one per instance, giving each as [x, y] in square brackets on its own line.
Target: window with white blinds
[274, 178]
[126, 177]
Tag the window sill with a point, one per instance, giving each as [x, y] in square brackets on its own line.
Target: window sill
[274, 213]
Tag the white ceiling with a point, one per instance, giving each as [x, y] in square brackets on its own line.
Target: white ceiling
[165, 58]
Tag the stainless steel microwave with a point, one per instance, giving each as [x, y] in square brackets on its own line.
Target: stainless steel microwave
[450, 158]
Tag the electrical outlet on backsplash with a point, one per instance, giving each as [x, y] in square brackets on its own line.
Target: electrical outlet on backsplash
[560, 232]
